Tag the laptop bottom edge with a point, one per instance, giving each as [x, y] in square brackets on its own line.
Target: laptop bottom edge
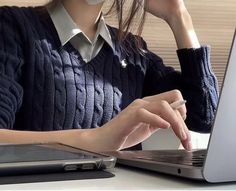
[185, 171]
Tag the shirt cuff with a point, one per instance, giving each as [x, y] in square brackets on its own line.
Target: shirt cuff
[195, 62]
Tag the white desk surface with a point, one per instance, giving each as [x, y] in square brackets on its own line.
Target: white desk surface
[125, 179]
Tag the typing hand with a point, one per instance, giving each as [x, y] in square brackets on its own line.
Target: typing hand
[141, 119]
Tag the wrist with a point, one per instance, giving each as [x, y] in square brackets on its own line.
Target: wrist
[79, 138]
[178, 17]
[181, 24]
[97, 139]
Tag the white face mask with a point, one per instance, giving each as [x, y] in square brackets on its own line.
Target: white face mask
[94, 2]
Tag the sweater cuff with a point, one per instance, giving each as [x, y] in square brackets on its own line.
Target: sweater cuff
[195, 62]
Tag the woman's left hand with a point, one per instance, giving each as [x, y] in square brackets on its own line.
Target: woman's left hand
[165, 9]
[175, 13]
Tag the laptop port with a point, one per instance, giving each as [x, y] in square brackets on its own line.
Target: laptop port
[70, 167]
[87, 166]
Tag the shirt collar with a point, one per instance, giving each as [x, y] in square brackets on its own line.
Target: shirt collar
[67, 29]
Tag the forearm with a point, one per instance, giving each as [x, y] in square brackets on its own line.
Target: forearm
[76, 138]
[183, 30]
[88, 139]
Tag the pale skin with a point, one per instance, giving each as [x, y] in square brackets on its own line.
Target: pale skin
[142, 117]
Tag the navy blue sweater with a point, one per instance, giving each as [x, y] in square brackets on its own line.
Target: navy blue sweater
[44, 86]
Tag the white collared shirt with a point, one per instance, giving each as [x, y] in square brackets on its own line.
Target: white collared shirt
[68, 31]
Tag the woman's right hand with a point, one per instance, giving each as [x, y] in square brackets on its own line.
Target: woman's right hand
[140, 120]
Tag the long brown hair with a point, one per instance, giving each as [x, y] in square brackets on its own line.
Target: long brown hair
[135, 15]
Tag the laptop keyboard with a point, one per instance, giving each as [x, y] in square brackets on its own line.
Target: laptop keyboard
[194, 158]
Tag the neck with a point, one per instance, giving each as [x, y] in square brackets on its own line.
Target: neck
[84, 15]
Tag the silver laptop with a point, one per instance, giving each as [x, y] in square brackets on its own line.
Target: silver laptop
[49, 158]
[218, 162]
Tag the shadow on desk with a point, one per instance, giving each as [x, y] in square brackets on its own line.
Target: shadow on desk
[79, 175]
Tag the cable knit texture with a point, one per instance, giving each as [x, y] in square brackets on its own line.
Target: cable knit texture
[44, 86]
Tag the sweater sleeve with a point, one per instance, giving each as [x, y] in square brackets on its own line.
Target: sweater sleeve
[11, 61]
[196, 81]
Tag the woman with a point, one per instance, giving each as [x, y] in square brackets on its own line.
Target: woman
[68, 77]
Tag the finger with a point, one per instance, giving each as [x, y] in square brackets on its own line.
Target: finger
[187, 142]
[174, 118]
[168, 114]
[171, 97]
[180, 128]
[187, 145]
[154, 120]
[185, 128]
[180, 106]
